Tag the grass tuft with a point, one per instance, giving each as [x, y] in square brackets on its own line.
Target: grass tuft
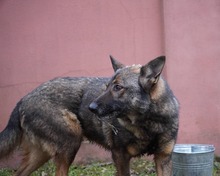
[139, 167]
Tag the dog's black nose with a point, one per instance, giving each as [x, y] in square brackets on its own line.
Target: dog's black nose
[93, 107]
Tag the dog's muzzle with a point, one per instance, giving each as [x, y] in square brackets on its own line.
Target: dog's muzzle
[93, 107]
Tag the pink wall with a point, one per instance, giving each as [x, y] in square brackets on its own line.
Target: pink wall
[40, 40]
[192, 40]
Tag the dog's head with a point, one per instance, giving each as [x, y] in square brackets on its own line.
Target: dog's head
[130, 90]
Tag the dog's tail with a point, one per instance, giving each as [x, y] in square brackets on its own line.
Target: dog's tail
[10, 137]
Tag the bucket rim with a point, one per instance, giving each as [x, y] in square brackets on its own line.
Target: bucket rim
[210, 148]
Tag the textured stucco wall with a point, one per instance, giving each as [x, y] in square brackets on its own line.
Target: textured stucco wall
[192, 40]
[42, 39]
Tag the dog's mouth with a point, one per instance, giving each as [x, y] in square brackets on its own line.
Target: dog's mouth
[106, 112]
[105, 115]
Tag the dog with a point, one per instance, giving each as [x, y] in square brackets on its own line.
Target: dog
[130, 114]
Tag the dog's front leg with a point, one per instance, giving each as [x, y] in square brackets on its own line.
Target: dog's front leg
[122, 162]
[163, 165]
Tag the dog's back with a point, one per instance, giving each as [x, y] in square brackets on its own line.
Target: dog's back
[136, 113]
[45, 123]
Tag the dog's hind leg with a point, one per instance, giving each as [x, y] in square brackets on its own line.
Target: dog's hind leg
[33, 158]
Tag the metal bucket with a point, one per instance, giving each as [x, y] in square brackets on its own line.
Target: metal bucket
[193, 160]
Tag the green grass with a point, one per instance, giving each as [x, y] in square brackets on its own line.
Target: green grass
[216, 171]
[139, 167]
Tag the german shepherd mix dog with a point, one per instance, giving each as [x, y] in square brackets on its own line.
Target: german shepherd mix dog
[131, 114]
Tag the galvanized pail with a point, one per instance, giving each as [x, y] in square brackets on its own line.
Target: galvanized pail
[193, 160]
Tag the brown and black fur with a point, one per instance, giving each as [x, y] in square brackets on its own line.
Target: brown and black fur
[131, 114]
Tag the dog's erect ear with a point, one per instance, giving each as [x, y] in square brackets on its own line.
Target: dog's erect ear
[150, 73]
[115, 64]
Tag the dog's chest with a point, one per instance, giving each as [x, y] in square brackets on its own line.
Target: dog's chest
[143, 141]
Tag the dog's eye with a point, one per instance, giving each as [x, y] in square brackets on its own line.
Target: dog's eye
[117, 87]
